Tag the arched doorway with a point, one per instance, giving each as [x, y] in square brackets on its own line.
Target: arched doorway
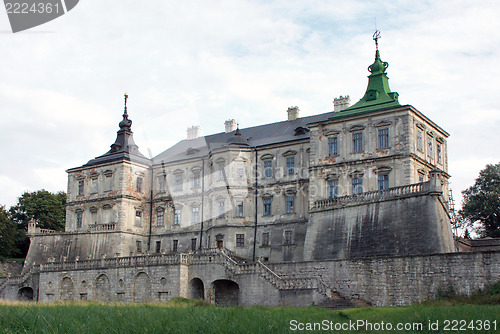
[25, 294]
[102, 289]
[142, 287]
[196, 289]
[66, 289]
[226, 292]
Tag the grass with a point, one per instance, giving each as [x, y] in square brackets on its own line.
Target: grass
[181, 315]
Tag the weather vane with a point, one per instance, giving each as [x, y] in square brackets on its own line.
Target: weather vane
[376, 36]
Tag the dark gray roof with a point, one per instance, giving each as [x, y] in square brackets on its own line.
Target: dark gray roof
[262, 135]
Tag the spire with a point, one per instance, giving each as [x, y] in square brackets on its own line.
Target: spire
[126, 123]
[378, 95]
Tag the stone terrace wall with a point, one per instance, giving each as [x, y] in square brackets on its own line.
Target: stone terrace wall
[401, 280]
[10, 267]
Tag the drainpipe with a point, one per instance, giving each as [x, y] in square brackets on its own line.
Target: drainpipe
[202, 200]
[150, 211]
[255, 229]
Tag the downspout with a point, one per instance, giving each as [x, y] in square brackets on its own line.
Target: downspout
[202, 200]
[256, 206]
[151, 211]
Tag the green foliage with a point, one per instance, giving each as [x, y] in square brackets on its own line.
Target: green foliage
[8, 234]
[481, 202]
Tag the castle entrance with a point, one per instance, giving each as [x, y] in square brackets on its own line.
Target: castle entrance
[225, 292]
[25, 293]
[196, 289]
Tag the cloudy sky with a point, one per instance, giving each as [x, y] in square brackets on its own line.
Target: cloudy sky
[189, 63]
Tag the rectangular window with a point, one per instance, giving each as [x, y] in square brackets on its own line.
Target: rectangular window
[357, 186]
[79, 219]
[240, 171]
[158, 247]
[193, 244]
[383, 182]
[288, 238]
[196, 180]
[160, 217]
[420, 141]
[94, 185]
[332, 189]
[267, 206]
[139, 184]
[265, 239]
[139, 246]
[161, 183]
[177, 216]
[138, 218]
[383, 138]
[240, 240]
[290, 204]
[268, 168]
[196, 215]
[175, 245]
[357, 142]
[332, 146]
[178, 182]
[81, 187]
[429, 147]
[108, 182]
[239, 209]
[221, 210]
[290, 165]
[438, 153]
[220, 172]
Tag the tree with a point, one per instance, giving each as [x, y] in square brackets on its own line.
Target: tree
[481, 203]
[8, 235]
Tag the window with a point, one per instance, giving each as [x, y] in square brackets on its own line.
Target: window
[438, 153]
[420, 178]
[357, 186]
[108, 177]
[240, 240]
[196, 180]
[160, 217]
[175, 245]
[265, 239]
[193, 244]
[158, 246]
[79, 219]
[290, 165]
[332, 146]
[93, 215]
[161, 183]
[239, 209]
[240, 171]
[383, 138]
[332, 189]
[139, 184]
[178, 182]
[138, 218]
[138, 244]
[290, 204]
[429, 147]
[357, 142]
[196, 215]
[221, 210]
[267, 206]
[220, 172]
[420, 141]
[177, 216]
[94, 185]
[383, 181]
[288, 238]
[268, 168]
[81, 187]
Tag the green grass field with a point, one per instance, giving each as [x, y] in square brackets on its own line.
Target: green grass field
[446, 315]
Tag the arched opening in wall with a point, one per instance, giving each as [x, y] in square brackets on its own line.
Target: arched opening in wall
[226, 292]
[196, 289]
[66, 289]
[102, 289]
[25, 294]
[142, 287]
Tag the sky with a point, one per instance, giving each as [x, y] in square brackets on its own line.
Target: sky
[187, 63]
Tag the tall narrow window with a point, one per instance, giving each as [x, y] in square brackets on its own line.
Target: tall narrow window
[221, 210]
[288, 237]
[438, 153]
[420, 141]
[357, 186]
[239, 209]
[108, 179]
[220, 172]
[94, 185]
[139, 246]
[429, 147]
[332, 146]
[196, 215]
[265, 239]
[268, 168]
[161, 183]
[177, 216]
[178, 182]
[332, 189]
[357, 142]
[196, 179]
[138, 218]
[175, 245]
[139, 184]
[81, 187]
[267, 206]
[383, 138]
[160, 217]
[158, 246]
[193, 244]
[290, 204]
[383, 181]
[240, 240]
[290, 165]
[240, 171]
[79, 219]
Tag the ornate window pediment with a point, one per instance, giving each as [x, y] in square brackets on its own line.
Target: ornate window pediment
[290, 153]
[357, 127]
[332, 132]
[267, 156]
[383, 123]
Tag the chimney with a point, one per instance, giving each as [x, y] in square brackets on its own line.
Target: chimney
[193, 132]
[341, 103]
[230, 125]
[293, 113]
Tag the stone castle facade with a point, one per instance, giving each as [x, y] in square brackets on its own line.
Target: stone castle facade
[295, 212]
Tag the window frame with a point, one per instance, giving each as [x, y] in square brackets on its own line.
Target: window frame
[290, 165]
[332, 188]
[383, 138]
[357, 142]
[357, 187]
[333, 146]
[268, 170]
[383, 181]
[290, 204]
[267, 203]
[160, 213]
[240, 240]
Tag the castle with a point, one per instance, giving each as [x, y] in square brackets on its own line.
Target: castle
[343, 208]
